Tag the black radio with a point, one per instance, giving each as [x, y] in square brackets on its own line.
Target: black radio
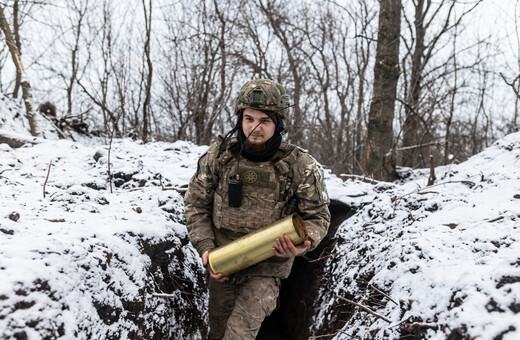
[234, 191]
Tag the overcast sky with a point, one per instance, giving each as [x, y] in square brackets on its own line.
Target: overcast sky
[497, 17]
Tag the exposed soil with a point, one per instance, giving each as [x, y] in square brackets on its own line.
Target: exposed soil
[292, 319]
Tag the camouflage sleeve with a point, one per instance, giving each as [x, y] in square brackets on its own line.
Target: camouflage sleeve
[198, 201]
[313, 200]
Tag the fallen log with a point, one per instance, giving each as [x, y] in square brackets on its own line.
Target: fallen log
[16, 140]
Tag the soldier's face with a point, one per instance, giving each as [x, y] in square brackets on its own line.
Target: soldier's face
[263, 132]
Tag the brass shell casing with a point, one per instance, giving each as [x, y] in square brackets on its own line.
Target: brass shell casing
[255, 247]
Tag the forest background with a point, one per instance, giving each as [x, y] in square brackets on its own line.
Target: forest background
[170, 70]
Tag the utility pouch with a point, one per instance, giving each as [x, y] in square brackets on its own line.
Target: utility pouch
[234, 192]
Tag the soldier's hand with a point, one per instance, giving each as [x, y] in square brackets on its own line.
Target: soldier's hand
[285, 247]
[214, 276]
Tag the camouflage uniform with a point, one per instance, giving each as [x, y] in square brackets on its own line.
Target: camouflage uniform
[239, 305]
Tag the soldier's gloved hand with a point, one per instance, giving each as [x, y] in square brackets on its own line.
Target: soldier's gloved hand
[214, 276]
[285, 247]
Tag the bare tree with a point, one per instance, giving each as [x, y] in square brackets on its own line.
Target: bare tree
[319, 35]
[380, 161]
[290, 37]
[419, 52]
[80, 9]
[453, 95]
[351, 84]
[121, 76]
[16, 33]
[21, 10]
[363, 44]
[66, 57]
[24, 83]
[335, 83]
[97, 90]
[256, 41]
[198, 77]
[4, 56]
[149, 68]
[514, 84]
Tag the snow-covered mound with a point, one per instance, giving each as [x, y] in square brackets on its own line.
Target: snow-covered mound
[438, 262]
[14, 124]
[11, 117]
[89, 264]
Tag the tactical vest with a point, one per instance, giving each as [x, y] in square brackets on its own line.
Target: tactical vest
[266, 188]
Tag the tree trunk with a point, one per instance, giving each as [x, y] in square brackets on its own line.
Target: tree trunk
[380, 158]
[451, 112]
[16, 33]
[26, 87]
[412, 128]
[148, 85]
[360, 115]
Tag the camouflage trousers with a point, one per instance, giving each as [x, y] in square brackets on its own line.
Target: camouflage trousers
[238, 306]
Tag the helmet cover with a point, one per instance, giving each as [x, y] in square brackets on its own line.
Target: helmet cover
[263, 95]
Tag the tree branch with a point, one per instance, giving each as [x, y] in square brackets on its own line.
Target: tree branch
[366, 309]
[512, 84]
[47, 178]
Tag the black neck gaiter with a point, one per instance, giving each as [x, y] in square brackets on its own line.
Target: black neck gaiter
[271, 145]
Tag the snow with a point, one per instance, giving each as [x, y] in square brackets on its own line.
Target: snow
[12, 119]
[81, 249]
[448, 254]
[83, 262]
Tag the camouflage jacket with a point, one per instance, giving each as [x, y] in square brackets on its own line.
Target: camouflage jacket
[267, 187]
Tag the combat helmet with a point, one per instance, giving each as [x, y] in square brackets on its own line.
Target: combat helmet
[264, 95]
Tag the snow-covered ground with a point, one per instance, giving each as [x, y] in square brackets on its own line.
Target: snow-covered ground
[86, 263]
[448, 255]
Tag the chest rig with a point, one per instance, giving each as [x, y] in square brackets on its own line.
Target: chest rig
[267, 186]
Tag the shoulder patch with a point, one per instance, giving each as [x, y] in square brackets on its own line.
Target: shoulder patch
[225, 157]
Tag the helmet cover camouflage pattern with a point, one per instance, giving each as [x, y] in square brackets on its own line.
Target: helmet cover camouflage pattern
[264, 95]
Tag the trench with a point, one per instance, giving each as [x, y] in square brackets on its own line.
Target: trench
[292, 320]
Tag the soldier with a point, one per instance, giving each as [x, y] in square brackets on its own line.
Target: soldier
[272, 173]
